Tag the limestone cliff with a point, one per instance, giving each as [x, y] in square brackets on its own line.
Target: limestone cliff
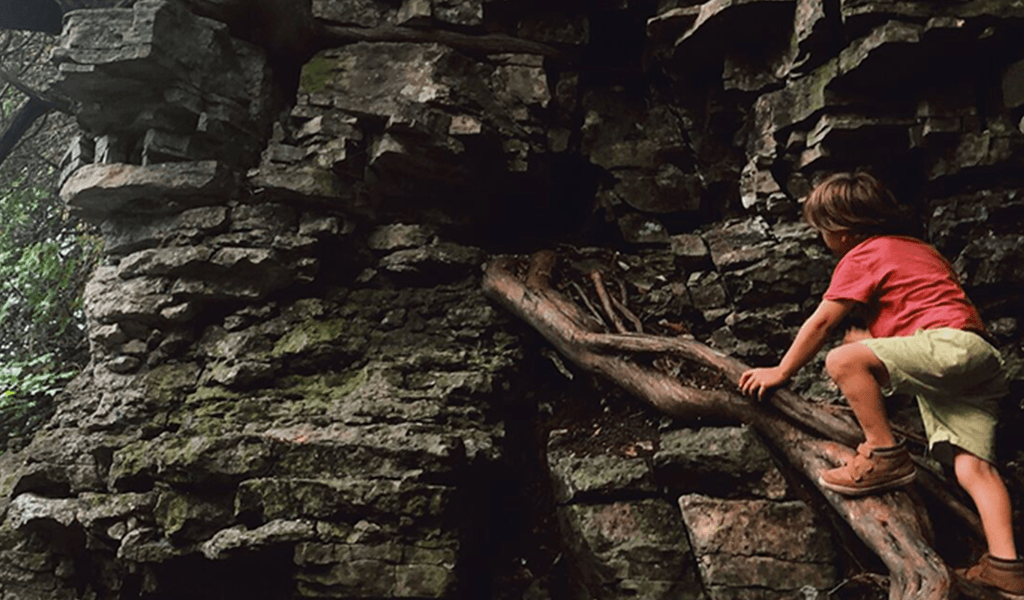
[297, 388]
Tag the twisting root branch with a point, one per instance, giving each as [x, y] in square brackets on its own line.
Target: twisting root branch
[638, 325]
[606, 301]
[586, 301]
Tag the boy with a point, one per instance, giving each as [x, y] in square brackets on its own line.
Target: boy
[926, 338]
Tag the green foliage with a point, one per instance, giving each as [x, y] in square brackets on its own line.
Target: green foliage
[44, 260]
[45, 256]
[27, 390]
[31, 379]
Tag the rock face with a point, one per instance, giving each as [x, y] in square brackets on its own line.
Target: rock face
[297, 389]
[197, 92]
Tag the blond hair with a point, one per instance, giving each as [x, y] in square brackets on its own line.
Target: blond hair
[855, 202]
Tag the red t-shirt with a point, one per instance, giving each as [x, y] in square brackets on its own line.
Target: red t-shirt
[906, 284]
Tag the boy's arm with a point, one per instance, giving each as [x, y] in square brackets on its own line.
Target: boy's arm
[806, 344]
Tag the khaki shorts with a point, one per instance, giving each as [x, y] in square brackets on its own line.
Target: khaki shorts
[958, 379]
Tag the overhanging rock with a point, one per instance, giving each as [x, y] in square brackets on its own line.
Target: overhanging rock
[156, 70]
[103, 190]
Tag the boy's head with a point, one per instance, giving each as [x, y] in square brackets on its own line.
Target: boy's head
[854, 203]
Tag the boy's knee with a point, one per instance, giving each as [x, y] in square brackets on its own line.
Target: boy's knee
[840, 360]
[855, 358]
[970, 468]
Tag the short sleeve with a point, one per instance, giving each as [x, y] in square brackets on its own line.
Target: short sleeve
[852, 279]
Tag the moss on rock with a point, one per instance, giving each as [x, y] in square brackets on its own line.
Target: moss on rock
[316, 75]
[307, 335]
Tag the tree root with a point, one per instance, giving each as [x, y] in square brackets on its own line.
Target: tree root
[893, 525]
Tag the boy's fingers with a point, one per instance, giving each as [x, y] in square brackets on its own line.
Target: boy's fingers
[745, 383]
[748, 385]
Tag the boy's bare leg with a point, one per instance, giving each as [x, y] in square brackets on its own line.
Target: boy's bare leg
[860, 376]
[983, 483]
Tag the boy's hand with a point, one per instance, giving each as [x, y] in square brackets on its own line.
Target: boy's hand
[761, 380]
